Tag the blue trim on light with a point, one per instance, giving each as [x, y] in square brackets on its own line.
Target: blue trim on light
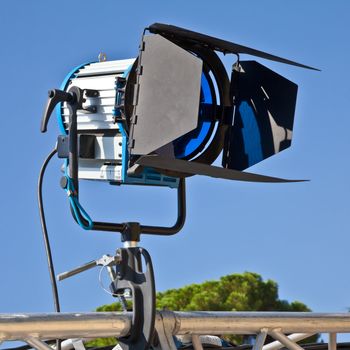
[152, 177]
[125, 155]
[124, 150]
[74, 202]
[77, 207]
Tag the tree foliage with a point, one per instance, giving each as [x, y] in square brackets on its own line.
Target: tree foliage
[236, 292]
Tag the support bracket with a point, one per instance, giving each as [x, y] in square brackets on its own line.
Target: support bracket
[132, 274]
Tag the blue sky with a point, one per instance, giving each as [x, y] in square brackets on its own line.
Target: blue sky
[295, 234]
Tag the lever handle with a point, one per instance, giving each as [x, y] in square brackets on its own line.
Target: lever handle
[77, 270]
[106, 260]
[55, 96]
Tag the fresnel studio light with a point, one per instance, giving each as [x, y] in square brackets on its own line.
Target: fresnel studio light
[156, 119]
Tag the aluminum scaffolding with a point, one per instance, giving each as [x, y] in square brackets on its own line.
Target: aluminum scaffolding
[287, 328]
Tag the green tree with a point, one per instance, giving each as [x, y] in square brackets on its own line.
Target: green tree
[236, 292]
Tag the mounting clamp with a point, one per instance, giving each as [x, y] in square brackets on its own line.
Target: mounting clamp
[132, 275]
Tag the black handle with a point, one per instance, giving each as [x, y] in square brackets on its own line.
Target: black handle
[73, 145]
[55, 96]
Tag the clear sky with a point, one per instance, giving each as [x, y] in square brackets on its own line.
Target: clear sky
[296, 234]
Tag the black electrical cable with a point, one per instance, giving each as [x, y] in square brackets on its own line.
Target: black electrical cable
[46, 237]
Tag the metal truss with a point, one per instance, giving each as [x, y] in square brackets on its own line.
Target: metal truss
[287, 328]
